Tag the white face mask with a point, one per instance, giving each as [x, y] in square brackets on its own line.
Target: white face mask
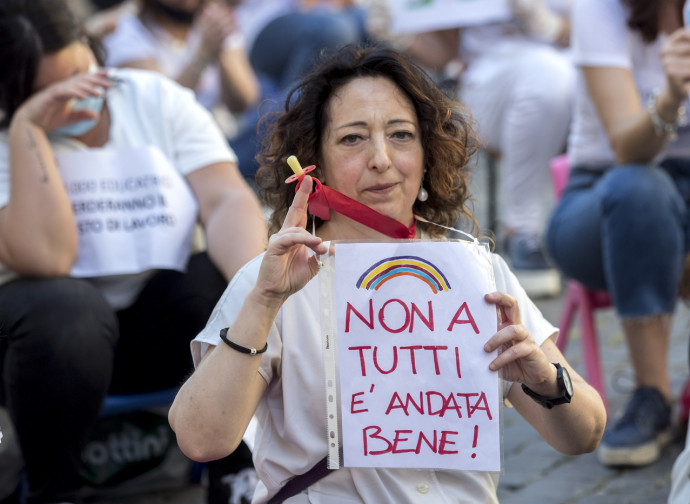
[94, 103]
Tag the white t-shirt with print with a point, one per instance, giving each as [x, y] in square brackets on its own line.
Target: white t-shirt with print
[146, 109]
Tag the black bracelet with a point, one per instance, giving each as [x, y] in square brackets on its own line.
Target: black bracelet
[240, 348]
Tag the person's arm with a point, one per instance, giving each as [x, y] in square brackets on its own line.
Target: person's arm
[540, 21]
[240, 86]
[436, 49]
[627, 121]
[214, 406]
[230, 214]
[188, 76]
[103, 22]
[38, 232]
[433, 49]
[214, 24]
[572, 428]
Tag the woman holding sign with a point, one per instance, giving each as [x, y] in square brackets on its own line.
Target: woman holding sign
[102, 180]
[391, 152]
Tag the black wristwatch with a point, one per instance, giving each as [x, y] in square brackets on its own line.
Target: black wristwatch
[564, 384]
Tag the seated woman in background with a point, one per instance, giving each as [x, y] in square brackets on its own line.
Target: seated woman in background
[622, 223]
[198, 44]
[103, 177]
[384, 135]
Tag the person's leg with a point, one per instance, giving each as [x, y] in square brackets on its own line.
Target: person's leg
[155, 332]
[55, 363]
[648, 343]
[520, 97]
[573, 233]
[627, 234]
[283, 52]
[534, 131]
[288, 46]
[154, 354]
[252, 131]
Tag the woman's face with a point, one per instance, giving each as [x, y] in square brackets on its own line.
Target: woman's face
[72, 60]
[371, 147]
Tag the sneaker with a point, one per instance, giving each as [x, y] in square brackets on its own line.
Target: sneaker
[639, 435]
[532, 269]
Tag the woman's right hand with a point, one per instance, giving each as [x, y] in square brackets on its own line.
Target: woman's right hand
[287, 265]
[675, 57]
[49, 108]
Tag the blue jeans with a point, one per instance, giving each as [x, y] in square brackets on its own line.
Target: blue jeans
[625, 230]
[283, 53]
[286, 49]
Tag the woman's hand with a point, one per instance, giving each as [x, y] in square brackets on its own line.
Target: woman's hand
[287, 265]
[49, 108]
[215, 22]
[520, 359]
[675, 57]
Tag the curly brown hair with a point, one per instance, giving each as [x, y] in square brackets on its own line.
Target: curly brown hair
[643, 17]
[446, 134]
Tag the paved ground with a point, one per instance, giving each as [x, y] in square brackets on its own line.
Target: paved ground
[536, 474]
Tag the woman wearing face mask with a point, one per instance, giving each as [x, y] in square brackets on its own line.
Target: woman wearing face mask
[102, 179]
[384, 135]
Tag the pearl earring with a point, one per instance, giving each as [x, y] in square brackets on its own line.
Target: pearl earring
[422, 195]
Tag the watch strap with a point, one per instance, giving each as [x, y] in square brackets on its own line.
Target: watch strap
[550, 402]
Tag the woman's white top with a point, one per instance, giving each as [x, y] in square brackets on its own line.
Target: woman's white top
[146, 110]
[601, 38]
[290, 419]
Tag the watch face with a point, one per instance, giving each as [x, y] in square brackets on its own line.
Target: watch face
[566, 381]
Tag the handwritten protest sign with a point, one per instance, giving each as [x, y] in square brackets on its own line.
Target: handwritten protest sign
[413, 16]
[415, 386]
[133, 211]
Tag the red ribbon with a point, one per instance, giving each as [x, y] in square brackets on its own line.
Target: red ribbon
[323, 199]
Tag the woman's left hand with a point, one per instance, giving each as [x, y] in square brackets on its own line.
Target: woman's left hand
[520, 359]
[675, 57]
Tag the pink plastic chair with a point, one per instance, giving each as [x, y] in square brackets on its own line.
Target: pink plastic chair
[580, 299]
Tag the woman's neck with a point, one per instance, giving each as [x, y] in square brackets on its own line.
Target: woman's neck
[178, 31]
[344, 228]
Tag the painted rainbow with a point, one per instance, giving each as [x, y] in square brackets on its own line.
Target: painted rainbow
[393, 267]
